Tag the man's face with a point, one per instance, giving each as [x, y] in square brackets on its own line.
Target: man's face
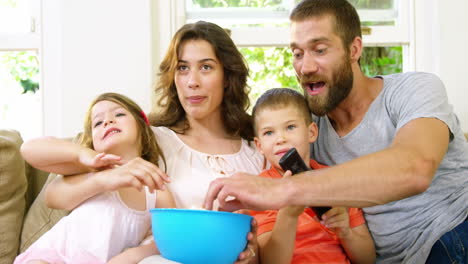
[322, 64]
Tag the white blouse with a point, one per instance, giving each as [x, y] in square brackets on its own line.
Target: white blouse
[191, 171]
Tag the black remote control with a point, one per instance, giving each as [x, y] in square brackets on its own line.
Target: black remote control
[293, 162]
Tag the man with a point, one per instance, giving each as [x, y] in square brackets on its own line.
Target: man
[398, 146]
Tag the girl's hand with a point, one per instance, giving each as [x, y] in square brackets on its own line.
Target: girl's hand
[101, 161]
[337, 220]
[250, 254]
[135, 173]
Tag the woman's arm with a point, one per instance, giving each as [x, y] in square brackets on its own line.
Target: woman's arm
[277, 246]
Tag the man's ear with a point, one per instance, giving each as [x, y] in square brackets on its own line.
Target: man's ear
[355, 49]
[313, 132]
[258, 145]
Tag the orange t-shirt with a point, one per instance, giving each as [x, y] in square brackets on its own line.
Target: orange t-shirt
[314, 242]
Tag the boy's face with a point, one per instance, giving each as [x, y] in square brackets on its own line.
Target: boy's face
[279, 130]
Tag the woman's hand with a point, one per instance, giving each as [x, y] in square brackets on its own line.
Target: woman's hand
[135, 173]
[250, 254]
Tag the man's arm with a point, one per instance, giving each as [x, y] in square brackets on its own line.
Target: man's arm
[404, 169]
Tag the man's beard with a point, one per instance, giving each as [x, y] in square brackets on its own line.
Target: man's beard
[339, 88]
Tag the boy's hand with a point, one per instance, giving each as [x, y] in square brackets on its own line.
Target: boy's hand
[337, 220]
[294, 210]
[100, 161]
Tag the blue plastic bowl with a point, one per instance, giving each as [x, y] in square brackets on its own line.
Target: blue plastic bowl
[200, 236]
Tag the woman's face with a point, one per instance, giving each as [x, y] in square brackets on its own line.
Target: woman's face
[199, 79]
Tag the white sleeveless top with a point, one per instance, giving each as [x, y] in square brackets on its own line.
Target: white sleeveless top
[102, 226]
[191, 171]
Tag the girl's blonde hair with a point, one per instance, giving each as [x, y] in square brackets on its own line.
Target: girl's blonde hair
[150, 149]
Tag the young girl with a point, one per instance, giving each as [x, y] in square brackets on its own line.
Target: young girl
[103, 226]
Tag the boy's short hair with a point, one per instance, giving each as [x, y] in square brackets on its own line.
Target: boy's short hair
[277, 98]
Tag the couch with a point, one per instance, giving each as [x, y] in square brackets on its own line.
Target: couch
[23, 214]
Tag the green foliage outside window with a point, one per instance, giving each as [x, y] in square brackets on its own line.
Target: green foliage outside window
[24, 68]
[272, 67]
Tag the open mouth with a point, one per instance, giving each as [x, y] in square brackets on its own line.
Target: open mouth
[314, 88]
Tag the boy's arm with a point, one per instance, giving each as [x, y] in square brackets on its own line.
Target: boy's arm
[277, 246]
[136, 254]
[359, 245]
[357, 241]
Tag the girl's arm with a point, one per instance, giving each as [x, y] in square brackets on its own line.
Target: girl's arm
[64, 157]
[164, 199]
[277, 246]
[70, 191]
[55, 155]
[136, 254]
[357, 242]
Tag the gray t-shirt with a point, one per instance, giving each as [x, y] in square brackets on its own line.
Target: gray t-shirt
[404, 231]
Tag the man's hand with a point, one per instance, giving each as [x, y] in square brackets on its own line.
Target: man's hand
[250, 192]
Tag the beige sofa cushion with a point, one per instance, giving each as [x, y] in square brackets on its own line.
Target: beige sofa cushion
[13, 187]
[39, 219]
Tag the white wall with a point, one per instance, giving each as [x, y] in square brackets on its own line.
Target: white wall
[441, 47]
[91, 47]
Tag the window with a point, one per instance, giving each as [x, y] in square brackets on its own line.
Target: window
[261, 30]
[20, 103]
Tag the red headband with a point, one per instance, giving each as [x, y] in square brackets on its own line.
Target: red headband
[143, 115]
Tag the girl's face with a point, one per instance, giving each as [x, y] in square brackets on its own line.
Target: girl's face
[114, 129]
[199, 79]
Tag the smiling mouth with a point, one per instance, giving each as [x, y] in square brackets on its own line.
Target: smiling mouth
[110, 132]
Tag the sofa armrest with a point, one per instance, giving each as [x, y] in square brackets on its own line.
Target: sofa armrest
[13, 185]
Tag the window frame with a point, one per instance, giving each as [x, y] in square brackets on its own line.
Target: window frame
[172, 16]
[28, 40]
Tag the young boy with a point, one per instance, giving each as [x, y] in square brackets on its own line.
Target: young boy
[294, 234]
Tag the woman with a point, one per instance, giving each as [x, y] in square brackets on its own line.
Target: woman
[201, 125]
